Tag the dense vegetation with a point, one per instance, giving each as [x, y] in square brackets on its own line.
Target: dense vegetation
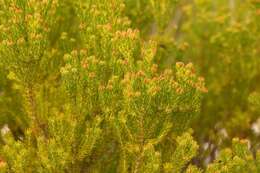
[130, 86]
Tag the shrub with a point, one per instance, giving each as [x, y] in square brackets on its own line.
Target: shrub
[92, 94]
[111, 86]
[221, 39]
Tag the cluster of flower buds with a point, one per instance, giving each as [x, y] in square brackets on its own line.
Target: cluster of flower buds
[129, 33]
[187, 73]
[7, 43]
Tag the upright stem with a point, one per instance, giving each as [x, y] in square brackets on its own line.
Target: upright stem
[32, 109]
[140, 158]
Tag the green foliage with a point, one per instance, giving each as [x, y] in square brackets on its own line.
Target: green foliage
[94, 99]
[100, 86]
[237, 159]
[186, 149]
[221, 38]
